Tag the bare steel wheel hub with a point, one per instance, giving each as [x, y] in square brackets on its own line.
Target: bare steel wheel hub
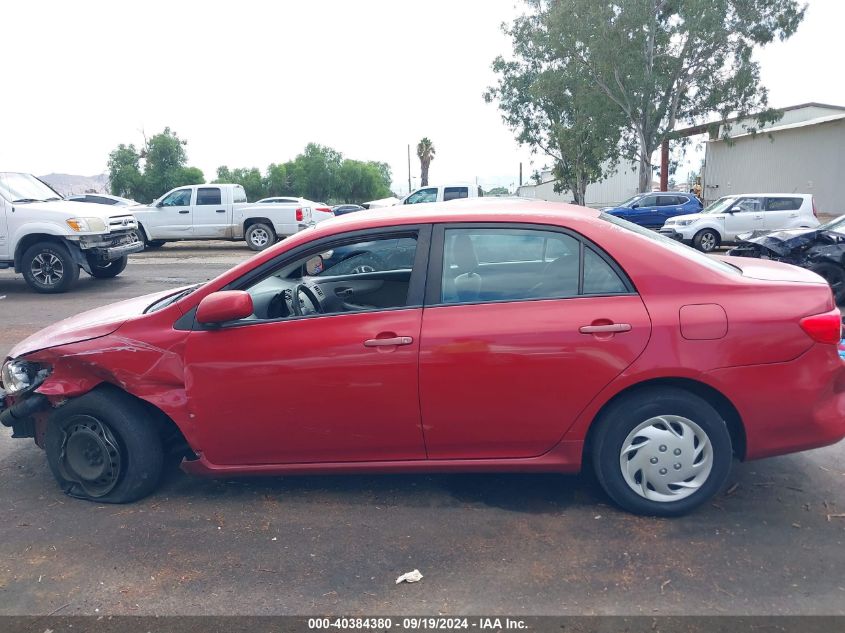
[47, 268]
[91, 456]
[666, 458]
[259, 237]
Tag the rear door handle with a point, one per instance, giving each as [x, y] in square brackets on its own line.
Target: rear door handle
[605, 329]
[184, 211]
[389, 342]
[221, 210]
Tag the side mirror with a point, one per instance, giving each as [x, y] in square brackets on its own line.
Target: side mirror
[733, 210]
[159, 204]
[636, 205]
[223, 306]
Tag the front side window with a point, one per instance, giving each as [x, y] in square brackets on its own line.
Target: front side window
[455, 193]
[423, 195]
[783, 204]
[179, 198]
[511, 264]
[648, 201]
[208, 196]
[365, 274]
[748, 205]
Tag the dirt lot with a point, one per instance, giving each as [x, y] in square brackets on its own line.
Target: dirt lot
[771, 543]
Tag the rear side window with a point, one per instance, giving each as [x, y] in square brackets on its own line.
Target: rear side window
[783, 204]
[208, 195]
[238, 194]
[511, 264]
[454, 193]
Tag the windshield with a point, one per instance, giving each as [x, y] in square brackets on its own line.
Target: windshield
[676, 247]
[22, 188]
[837, 225]
[630, 201]
[720, 206]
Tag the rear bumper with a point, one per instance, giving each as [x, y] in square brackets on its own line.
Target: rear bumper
[809, 414]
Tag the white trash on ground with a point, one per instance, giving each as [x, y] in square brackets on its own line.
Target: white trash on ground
[411, 576]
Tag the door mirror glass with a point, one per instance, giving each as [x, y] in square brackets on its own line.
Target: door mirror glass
[636, 205]
[314, 265]
[223, 306]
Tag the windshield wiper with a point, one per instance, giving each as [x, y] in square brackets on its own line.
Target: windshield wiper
[26, 200]
[51, 199]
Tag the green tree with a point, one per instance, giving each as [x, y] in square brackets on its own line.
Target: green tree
[661, 62]
[276, 180]
[359, 181]
[425, 152]
[124, 171]
[498, 191]
[552, 107]
[191, 176]
[313, 173]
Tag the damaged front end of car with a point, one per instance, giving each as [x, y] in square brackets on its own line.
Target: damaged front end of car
[19, 403]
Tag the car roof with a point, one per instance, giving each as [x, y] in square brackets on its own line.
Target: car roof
[465, 210]
[789, 195]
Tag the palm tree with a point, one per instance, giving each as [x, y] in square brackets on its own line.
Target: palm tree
[425, 152]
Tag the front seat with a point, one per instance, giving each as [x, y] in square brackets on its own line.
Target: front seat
[560, 278]
[462, 283]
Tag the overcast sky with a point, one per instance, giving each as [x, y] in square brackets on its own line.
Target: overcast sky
[250, 83]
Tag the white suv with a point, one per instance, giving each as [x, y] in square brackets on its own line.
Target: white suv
[728, 217]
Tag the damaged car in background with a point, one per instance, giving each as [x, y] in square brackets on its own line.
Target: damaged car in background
[820, 249]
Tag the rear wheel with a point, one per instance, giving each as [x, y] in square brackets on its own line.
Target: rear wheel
[833, 275]
[662, 451]
[48, 267]
[260, 236]
[706, 241]
[107, 270]
[104, 447]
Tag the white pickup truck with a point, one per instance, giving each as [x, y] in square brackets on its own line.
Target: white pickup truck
[443, 193]
[219, 212]
[49, 239]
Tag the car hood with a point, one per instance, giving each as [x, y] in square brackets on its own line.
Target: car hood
[693, 217]
[88, 325]
[71, 209]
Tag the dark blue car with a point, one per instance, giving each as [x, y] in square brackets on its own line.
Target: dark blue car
[653, 209]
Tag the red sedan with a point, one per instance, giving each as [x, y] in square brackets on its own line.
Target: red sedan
[488, 335]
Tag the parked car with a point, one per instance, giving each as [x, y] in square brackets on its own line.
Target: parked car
[103, 198]
[503, 335]
[821, 250]
[724, 220]
[321, 210]
[221, 212]
[443, 193]
[343, 209]
[653, 209]
[48, 239]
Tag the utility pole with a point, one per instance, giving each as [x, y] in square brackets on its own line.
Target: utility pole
[409, 168]
[520, 174]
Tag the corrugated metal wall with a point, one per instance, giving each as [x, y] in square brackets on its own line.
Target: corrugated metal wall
[617, 188]
[809, 159]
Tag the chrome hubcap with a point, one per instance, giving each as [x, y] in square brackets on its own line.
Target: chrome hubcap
[666, 458]
[90, 456]
[47, 269]
[259, 237]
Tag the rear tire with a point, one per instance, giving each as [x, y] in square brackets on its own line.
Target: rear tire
[49, 268]
[107, 270]
[706, 240]
[661, 451]
[153, 244]
[834, 275]
[260, 236]
[104, 447]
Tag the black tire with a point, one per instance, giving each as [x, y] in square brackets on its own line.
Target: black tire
[621, 419]
[260, 236]
[107, 270]
[153, 244]
[104, 447]
[706, 240]
[834, 275]
[49, 268]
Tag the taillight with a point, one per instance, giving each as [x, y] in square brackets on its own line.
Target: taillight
[299, 215]
[824, 328]
[815, 211]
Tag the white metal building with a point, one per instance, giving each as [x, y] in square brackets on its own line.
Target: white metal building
[618, 187]
[804, 152]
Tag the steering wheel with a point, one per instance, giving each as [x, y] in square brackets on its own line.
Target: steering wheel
[304, 290]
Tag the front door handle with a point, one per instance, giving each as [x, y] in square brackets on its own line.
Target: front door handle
[610, 328]
[184, 211]
[389, 342]
[221, 210]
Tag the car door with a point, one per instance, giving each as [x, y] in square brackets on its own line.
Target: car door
[172, 217]
[518, 337]
[744, 215]
[210, 214]
[333, 386]
[782, 212]
[667, 207]
[644, 211]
